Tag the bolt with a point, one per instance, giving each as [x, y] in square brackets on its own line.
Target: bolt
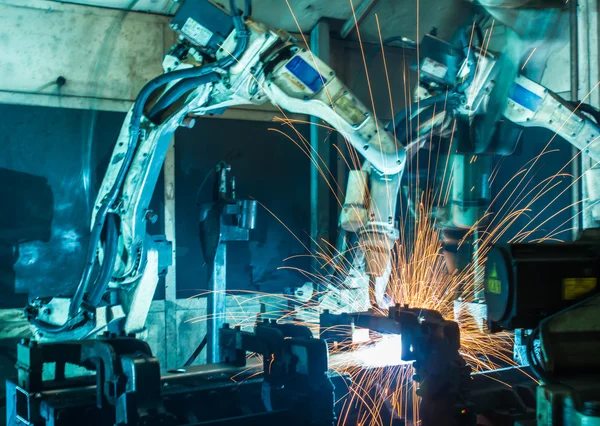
[61, 81]
[398, 162]
[151, 216]
[366, 147]
[331, 73]
[188, 122]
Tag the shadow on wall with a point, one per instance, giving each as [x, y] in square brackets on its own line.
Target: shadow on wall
[26, 217]
[53, 161]
[269, 168]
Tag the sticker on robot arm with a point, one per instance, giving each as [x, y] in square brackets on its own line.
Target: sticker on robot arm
[434, 68]
[574, 288]
[197, 32]
[309, 76]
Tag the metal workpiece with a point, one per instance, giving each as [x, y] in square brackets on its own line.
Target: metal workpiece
[433, 344]
[118, 381]
[224, 219]
[216, 310]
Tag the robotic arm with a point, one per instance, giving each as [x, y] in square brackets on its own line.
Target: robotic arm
[467, 83]
[220, 61]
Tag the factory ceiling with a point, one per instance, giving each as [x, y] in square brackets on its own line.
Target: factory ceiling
[409, 18]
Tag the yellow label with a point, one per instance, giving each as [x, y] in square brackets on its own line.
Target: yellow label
[573, 288]
[295, 82]
[493, 284]
[345, 106]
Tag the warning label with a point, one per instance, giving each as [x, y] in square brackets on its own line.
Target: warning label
[574, 288]
[197, 32]
[434, 68]
[493, 284]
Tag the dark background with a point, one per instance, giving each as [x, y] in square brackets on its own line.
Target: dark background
[554, 162]
[44, 206]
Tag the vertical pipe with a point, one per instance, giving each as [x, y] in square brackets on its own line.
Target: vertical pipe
[575, 165]
[216, 303]
[171, 340]
[320, 197]
[361, 13]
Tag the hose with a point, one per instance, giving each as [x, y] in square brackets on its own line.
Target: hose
[134, 134]
[401, 116]
[468, 51]
[588, 109]
[110, 256]
[178, 89]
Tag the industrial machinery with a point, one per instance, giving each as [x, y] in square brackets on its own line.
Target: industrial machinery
[116, 380]
[224, 59]
[433, 344]
[552, 291]
[222, 220]
[221, 59]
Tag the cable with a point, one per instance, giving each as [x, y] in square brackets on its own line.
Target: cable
[418, 106]
[468, 48]
[110, 256]
[179, 89]
[588, 109]
[197, 351]
[532, 358]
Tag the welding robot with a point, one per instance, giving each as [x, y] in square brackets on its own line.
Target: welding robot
[221, 60]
